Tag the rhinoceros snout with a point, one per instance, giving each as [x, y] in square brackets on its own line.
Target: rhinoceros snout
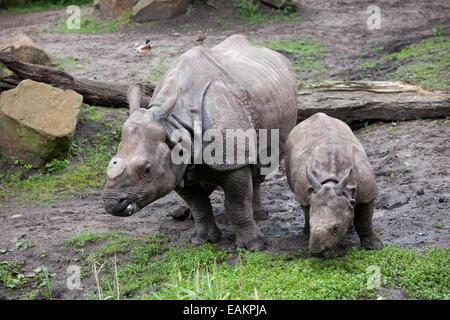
[320, 241]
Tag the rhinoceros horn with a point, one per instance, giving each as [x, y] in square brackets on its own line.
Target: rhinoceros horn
[115, 168]
[314, 182]
[343, 183]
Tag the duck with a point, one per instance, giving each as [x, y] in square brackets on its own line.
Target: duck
[201, 37]
[142, 49]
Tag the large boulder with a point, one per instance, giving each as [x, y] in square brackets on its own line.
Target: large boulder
[150, 10]
[114, 8]
[25, 50]
[37, 122]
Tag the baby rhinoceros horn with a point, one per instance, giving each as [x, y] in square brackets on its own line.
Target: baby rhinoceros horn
[115, 168]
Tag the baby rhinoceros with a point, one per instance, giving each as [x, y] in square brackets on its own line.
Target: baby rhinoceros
[333, 181]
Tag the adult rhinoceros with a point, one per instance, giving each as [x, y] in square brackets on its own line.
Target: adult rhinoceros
[235, 85]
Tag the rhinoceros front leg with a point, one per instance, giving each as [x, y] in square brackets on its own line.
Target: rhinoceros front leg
[183, 212]
[364, 228]
[259, 212]
[205, 225]
[238, 188]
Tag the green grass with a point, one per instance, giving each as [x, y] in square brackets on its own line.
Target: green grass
[248, 11]
[438, 225]
[5, 69]
[13, 278]
[306, 56]
[151, 268]
[156, 73]
[83, 172]
[426, 63]
[11, 275]
[69, 63]
[222, 23]
[40, 5]
[89, 24]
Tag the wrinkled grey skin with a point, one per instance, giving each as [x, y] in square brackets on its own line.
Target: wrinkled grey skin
[333, 181]
[233, 85]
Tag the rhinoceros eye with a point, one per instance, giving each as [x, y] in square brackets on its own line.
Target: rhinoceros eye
[148, 169]
[334, 229]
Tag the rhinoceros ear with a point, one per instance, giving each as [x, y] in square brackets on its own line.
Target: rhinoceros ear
[314, 182]
[166, 108]
[343, 183]
[134, 97]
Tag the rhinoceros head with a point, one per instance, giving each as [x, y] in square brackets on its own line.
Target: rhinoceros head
[141, 171]
[330, 215]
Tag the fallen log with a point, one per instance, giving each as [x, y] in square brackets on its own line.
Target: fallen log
[350, 101]
[356, 101]
[94, 92]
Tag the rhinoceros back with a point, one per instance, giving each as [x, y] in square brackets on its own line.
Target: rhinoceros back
[236, 85]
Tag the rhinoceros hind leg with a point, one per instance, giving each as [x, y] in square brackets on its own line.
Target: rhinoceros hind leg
[364, 228]
[205, 225]
[238, 188]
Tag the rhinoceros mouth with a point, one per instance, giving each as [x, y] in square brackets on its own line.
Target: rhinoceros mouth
[319, 252]
[125, 208]
[130, 209]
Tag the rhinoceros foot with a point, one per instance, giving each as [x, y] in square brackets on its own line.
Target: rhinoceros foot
[213, 236]
[253, 244]
[371, 243]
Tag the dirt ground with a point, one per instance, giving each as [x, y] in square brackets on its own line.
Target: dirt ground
[411, 159]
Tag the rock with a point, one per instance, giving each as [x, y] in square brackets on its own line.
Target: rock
[114, 8]
[37, 122]
[181, 213]
[275, 3]
[150, 10]
[25, 50]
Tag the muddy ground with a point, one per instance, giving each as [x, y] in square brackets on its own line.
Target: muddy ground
[411, 159]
